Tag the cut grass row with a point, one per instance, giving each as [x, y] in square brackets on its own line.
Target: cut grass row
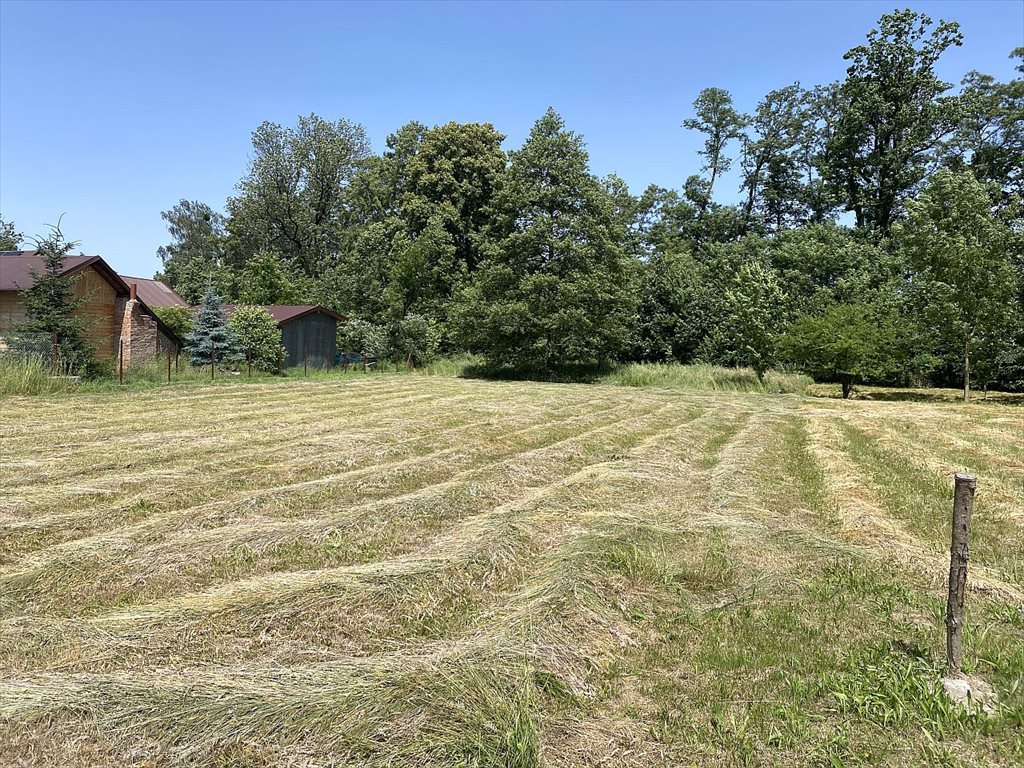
[496, 573]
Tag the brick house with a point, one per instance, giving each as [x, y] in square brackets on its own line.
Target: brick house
[117, 318]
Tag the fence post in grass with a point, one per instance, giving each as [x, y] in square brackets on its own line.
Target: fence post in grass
[120, 361]
[213, 362]
[54, 352]
[168, 365]
[305, 359]
[362, 356]
[248, 360]
[280, 361]
[963, 506]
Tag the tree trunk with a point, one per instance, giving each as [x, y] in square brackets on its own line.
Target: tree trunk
[967, 370]
[847, 385]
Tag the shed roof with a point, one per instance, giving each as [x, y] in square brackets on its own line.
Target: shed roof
[154, 292]
[285, 313]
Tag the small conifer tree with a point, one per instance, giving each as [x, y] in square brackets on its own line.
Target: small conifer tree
[212, 332]
[52, 326]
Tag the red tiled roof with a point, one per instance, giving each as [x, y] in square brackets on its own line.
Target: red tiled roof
[283, 313]
[155, 293]
[16, 268]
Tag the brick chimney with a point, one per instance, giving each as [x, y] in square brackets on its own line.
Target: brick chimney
[134, 287]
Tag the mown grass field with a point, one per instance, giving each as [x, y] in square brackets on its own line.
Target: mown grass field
[412, 571]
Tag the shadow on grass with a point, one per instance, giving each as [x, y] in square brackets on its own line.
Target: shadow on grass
[562, 375]
[919, 395]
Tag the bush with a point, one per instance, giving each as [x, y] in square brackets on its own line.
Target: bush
[362, 337]
[256, 330]
[415, 337]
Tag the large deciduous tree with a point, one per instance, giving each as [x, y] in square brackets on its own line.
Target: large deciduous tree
[294, 198]
[718, 120]
[892, 116]
[964, 279]
[555, 288]
[196, 256]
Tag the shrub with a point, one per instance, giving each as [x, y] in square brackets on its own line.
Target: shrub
[362, 337]
[256, 329]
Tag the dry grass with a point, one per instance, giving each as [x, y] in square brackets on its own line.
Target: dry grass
[394, 570]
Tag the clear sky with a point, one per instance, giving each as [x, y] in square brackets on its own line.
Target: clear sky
[111, 112]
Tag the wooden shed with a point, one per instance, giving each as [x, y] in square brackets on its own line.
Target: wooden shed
[308, 333]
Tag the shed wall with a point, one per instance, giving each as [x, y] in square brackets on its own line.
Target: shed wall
[316, 330]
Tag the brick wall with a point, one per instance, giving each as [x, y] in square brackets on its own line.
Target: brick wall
[138, 331]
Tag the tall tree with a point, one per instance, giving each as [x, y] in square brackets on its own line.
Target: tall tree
[770, 163]
[294, 199]
[893, 116]
[555, 288]
[196, 255]
[719, 121]
[959, 251]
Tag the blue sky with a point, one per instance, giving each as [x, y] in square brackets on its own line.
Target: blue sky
[111, 112]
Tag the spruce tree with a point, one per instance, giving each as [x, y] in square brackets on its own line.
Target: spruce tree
[50, 304]
[211, 331]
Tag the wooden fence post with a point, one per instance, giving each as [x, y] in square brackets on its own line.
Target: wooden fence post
[168, 365]
[362, 356]
[963, 506]
[280, 361]
[305, 359]
[54, 354]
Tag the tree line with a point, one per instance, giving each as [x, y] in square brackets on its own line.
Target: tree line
[878, 233]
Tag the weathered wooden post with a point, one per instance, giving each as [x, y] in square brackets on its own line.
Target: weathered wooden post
[120, 361]
[213, 362]
[168, 365]
[305, 359]
[963, 506]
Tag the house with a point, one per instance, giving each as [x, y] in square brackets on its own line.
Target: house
[117, 319]
[308, 333]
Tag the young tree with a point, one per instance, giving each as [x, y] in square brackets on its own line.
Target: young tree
[755, 303]
[892, 117]
[556, 288]
[212, 334]
[257, 333]
[672, 318]
[196, 257]
[52, 324]
[414, 338]
[964, 279]
[849, 343]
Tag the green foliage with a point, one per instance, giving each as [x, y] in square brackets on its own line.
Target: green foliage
[670, 323]
[196, 257]
[50, 307]
[754, 307]
[178, 319]
[891, 113]
[257, 333]
[211, 336]
[715, 117]
[849, 343]
[555, 288]
[413, 338]
[965, 283]
[266, 280]
[10, 238]
[362, 337]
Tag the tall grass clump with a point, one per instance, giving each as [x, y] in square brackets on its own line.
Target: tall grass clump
[699, 376]
[703, 376]
[29, 375]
